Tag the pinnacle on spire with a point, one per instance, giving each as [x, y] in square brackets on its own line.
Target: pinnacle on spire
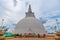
[29, 10]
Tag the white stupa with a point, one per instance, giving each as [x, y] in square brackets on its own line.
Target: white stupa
[30, 24]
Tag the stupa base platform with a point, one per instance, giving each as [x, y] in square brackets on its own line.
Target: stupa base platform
[31, 39]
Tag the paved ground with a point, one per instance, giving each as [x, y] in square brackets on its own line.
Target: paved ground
[33, 39]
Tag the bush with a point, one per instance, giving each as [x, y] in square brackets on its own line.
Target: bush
[17, 34]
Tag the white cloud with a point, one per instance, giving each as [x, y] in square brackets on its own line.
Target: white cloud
[50, 22]
[12, 12]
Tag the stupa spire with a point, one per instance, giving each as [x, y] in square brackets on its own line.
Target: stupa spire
[29, 9]
[29, 13]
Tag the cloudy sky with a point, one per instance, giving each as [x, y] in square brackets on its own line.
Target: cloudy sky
[47, 11]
